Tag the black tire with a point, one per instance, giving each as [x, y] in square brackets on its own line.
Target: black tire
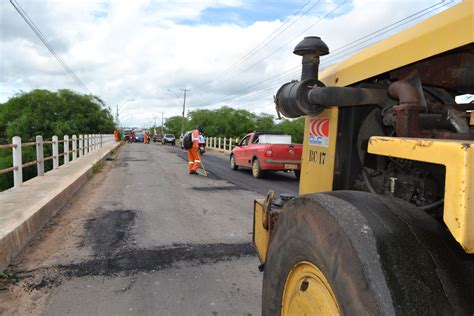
[380, 256]
[233, 165]
[257, 172]
[298, 174]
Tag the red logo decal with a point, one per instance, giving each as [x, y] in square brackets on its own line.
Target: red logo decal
[319, 127]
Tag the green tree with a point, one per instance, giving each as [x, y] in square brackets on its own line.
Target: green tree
[265, 122]
[223, 122]
[294, 127]
[47, 113]
[173, 125]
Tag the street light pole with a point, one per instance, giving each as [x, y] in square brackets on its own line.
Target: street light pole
[161, 123]
[117, 110]
[184, 106]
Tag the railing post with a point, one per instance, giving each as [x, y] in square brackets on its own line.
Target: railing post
[225, 143]
[74, 147]
[81, 145]
[207, 142]
[86, 144]
[66, 149]
[230, 144]
[39, 155]
[17, 162]
[219, 143]
[55, 152]
[101, 141]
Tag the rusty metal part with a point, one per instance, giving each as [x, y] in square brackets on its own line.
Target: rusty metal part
[6, 170]
[31, 163]
[411, 102]
[452, 71]
[462, 106]
[8, 146]
[267, 206]
[457, 120]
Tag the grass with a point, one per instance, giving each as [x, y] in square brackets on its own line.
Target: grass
[98, 166]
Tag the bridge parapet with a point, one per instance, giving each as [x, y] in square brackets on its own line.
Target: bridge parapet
[28, 206]
[82, 145]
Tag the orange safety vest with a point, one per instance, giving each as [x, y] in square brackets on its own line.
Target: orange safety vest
[195, 138]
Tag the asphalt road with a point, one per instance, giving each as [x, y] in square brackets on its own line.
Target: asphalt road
[143, 237]
[218, 166]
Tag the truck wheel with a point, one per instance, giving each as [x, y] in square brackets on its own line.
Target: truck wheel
[356, 253]
[233, 166]
[256, 171]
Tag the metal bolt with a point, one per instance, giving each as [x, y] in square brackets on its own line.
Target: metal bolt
[392, 183]
[304, 285]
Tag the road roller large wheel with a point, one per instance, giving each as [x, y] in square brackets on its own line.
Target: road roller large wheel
[356, 253]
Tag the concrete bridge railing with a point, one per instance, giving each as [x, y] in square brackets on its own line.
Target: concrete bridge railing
[223, 144]
[74, 147]
[28, 206]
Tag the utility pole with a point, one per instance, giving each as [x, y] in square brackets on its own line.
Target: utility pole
[161, 123]
[116, 115]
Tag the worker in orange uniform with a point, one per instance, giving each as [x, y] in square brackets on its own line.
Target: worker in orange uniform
[116, 135]
[145, 138]
[193, 156]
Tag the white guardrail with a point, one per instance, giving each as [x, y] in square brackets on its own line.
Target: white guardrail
[73, 148]
[222, 143]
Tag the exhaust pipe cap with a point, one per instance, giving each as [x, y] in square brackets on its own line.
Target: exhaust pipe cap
[311, 45]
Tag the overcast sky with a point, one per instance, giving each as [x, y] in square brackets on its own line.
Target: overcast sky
[226, 52]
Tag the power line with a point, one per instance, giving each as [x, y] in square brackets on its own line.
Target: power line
[351, 45]
[277, 32]
[42, 38]
[287, 42]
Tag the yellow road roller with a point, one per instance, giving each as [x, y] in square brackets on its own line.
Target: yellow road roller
[384, 220]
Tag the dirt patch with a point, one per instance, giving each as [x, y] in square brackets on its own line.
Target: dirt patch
[110, 232]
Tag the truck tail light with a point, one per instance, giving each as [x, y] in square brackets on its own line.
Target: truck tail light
[268, 153]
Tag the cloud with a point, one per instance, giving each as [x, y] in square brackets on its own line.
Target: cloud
[140, 49]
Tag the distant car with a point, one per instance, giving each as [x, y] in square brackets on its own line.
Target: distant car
[139, 138]
[169, 139]
[125, 134]
[157, 138]
[267, 152]
[202, 144]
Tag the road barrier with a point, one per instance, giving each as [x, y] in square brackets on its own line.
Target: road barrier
[81, 146]
[28, 206]
[222, 144]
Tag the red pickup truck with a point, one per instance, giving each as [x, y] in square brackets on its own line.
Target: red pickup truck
[264, 151]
